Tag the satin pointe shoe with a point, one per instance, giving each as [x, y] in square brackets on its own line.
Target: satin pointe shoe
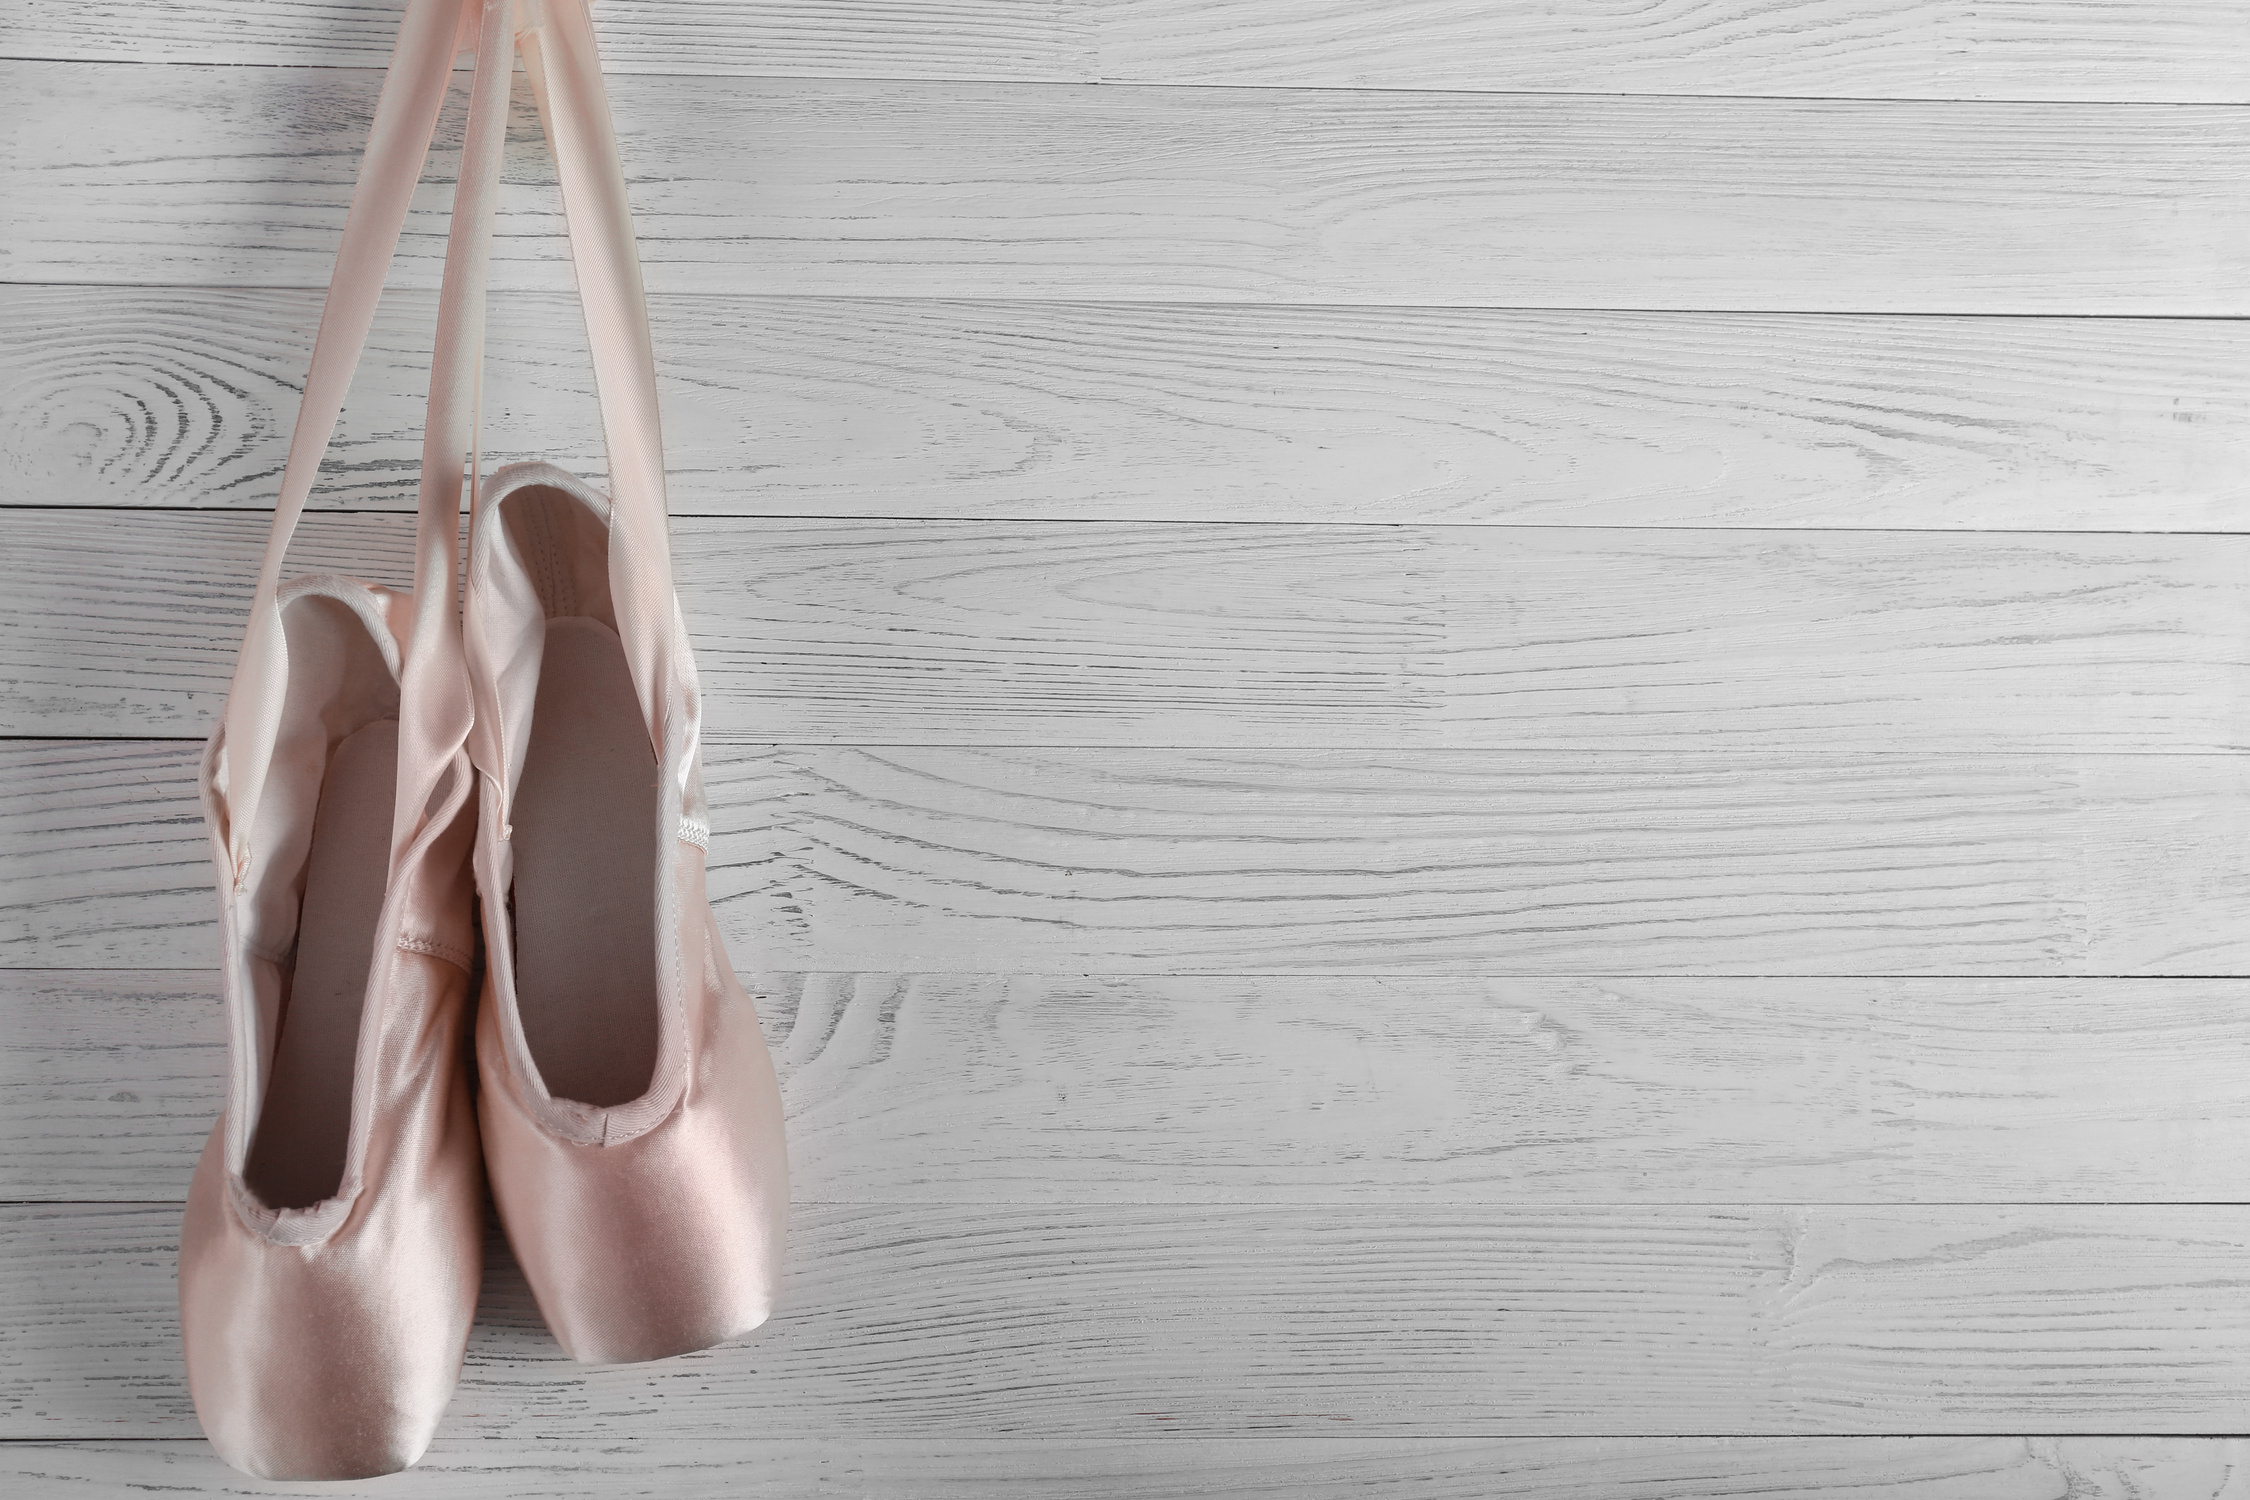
[333, 1241]
[632, 1123]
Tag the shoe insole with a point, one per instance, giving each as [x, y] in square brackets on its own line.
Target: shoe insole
[297, 1155]
[585, 878]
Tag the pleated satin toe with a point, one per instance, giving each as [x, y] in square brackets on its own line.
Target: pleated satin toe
[632, 1123]
[332, 1246]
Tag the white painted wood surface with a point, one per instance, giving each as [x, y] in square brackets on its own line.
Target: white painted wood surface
[1069, 861]
[1680, 931]
[1322, 1468]
[1151, 1320]
[1055, 411]
[1315, 1089]
[2175, 51]
[1011, 633]
[881, 188]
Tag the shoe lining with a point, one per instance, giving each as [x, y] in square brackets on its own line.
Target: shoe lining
[584, 899]
[304, 1124]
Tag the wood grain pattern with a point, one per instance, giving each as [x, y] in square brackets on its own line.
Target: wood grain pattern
[110, 1081]
[1456, 1006]
[981, 1320]
[951, 1088]
[787, 406]
[92, 832]
[1070, 861]
[169, 174]
[2156, 50]
[1171, 634]
[1955, 49]
[546, 1467]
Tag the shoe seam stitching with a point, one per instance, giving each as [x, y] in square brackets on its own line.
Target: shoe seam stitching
[435, 948]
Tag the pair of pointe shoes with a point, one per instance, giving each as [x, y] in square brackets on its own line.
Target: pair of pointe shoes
[628, 1119]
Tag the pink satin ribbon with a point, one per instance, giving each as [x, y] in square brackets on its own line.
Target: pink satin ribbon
[556, 38]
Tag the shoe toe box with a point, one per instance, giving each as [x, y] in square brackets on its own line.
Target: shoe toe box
[327, 1360]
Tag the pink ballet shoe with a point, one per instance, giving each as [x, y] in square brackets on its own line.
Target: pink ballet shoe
[333, 1242]
[632, 1123]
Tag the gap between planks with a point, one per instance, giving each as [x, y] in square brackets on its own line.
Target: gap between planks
[390, 517]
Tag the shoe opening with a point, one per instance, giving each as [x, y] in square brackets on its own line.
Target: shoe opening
[317, 897]
[584, 817]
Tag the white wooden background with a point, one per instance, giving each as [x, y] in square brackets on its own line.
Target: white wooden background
[1467, 749]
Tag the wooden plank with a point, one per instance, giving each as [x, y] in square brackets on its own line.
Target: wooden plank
[962, 39]
[838, 407]
[972, 1088]
[170, 174]
[104, 852]
[979, 1320]
[1072, 861]
[2155, 50]
[544, 1467]
[1955, 49]
[1004, 633]
[196, 574]
[111, 1080]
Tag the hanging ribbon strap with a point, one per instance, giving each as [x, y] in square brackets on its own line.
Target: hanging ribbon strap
[565, 72]
[431, 34]
[557, 40]
[434, 699]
